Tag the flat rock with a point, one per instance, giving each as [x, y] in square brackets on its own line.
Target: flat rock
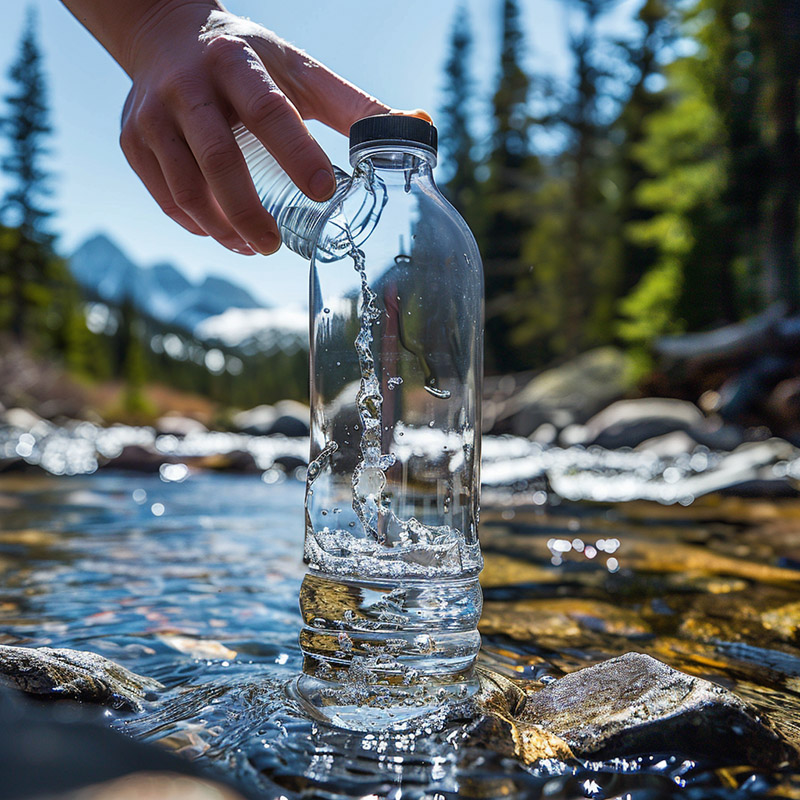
[74, 674]
[636, 704]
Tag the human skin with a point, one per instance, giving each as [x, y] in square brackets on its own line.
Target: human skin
[197, 71]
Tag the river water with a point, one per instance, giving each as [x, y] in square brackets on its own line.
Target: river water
[194, 581]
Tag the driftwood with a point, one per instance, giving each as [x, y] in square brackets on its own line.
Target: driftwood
[769, 333]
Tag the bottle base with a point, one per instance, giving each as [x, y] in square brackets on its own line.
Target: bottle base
[371, 708]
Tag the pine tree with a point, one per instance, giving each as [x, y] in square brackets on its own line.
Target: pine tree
[26, 126]
[566, 299]
[456, 140]
[513, 170]
[26, 267]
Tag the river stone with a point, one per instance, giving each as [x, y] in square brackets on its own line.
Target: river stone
[636, 704]
[628, 423]
[495, 725]
[569, 393]
[256, 421]
[74, 674]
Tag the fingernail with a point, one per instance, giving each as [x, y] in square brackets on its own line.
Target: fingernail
[266, 244]
[322, 184]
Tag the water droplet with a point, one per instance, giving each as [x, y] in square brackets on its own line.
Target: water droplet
[326, 310]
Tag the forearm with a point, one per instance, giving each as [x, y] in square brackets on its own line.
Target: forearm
[121, 25]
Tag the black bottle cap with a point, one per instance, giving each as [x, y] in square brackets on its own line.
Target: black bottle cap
[392, 129]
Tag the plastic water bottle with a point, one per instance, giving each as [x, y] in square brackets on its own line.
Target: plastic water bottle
[391, 600]
[301, 220]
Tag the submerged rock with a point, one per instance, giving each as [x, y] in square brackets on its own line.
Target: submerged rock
[636, 704]
[74, 674]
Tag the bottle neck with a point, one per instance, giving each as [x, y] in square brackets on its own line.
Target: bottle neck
[393, 162]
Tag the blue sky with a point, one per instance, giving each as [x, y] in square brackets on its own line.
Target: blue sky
[396, 51]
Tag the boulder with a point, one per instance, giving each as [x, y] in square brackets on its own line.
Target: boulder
[292, 419]
[669, 445]
[176, 425]
[232, 461]
[628, 423]
[47, 750]
[635, 704]
[255, 421]
[22, 418]
[138, 458]
[571, 393]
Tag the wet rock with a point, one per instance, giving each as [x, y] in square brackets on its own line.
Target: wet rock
[292, 419]
[155, 786]
[232, 461]
[197, 648]
[139, 458]
[495, 725]
[784, 621]
[49, 750]
[21, 418]
[567, 394]
[634, 704]
[256, 421]
[177, 425]
[628, 423]
[783, 405]
[670, 445]
[74, 674]
[290, 463]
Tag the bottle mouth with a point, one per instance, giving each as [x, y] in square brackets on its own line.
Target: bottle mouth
[393, 131]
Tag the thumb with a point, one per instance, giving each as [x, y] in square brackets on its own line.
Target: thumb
[319, 93]
[420, 113]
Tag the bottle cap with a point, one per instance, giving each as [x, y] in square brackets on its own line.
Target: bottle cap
[393, 129]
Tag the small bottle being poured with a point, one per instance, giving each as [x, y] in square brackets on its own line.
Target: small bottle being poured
[391, 600]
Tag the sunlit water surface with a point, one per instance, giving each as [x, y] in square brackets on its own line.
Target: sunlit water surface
[195, 583]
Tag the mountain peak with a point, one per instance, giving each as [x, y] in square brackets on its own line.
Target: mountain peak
[161, 291]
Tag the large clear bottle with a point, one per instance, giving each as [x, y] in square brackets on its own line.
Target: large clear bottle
[391, 600]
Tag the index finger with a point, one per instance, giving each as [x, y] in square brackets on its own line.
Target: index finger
[211, 140]
[265, 111]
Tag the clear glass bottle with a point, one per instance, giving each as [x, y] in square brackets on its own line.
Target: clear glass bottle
[391, 600]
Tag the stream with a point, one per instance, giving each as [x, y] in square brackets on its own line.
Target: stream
[194, 581]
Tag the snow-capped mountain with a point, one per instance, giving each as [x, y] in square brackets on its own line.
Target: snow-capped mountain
[214, 310]
[257, 330]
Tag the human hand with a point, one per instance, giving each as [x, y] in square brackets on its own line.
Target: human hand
[197, 71]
